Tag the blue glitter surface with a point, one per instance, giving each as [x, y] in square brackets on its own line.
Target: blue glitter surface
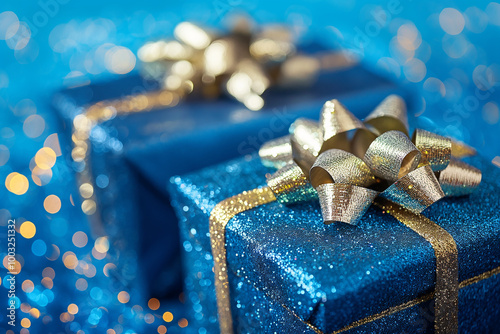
[330, 276]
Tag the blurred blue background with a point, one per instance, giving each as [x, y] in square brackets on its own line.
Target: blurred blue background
[445, 52]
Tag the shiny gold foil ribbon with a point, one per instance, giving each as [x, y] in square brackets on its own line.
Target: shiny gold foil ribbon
[445, 251]
[349, 163]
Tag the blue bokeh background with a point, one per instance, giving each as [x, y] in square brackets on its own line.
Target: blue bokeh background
[445, 52]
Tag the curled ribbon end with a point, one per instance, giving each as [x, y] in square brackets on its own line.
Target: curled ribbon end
[344, 202]
[459, 178]
[290, 185]
[416, 191]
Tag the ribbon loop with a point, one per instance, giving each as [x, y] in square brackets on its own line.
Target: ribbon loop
[389, 115]
[305, 136]
[416, 190]
[337, 166]
[392, 155]
[435, 149]
[290, 185]
[276, 153]
[459, 178]
[335, 123]
[344, 202]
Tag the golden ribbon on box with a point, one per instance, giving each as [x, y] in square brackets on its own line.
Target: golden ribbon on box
[349, 165]
[242, 64]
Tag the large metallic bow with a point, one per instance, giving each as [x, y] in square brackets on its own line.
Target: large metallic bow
[348, 163]
[242, 64]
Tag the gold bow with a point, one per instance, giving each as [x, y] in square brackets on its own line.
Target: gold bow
[348, 163]
[242, 64]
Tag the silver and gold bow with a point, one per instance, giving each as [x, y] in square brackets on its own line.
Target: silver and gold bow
[242, 64]
[348, 164]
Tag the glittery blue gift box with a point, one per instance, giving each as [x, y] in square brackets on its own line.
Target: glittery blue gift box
[290, 273]
[134, 155]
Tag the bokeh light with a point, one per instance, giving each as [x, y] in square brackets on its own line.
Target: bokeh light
[27, 230]
[120, 60]
[168, 316]
[102, 244]
[17, 183]
[45, 158]
[80, 239]
[34, 126]
[4, 154]
[154, 304]
[123, 297]
[72, 309]
[452, 21]
[9, 25]
[52, 204]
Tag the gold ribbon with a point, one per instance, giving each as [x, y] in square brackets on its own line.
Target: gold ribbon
[445, 251]
[220, 216]
[400, 175]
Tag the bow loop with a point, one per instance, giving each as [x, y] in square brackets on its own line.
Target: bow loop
[392, 155]
[336, 122]
[344, 202]
[306, 139]
[291, 185]
[416, 190]
[338, 166]
[459, 178]
[340, 179]
[389, 115]
[276, 153]
[435, 149]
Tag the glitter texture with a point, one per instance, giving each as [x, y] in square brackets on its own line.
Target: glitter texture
[290, 273]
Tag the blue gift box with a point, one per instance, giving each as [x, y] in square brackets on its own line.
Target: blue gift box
[290, 273]
[133, 156]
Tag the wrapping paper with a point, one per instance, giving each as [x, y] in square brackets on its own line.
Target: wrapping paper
[289, 272]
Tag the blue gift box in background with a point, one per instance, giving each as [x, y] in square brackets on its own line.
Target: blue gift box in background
[290, 273]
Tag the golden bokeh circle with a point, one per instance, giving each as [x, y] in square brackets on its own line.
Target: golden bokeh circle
[27, 230]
